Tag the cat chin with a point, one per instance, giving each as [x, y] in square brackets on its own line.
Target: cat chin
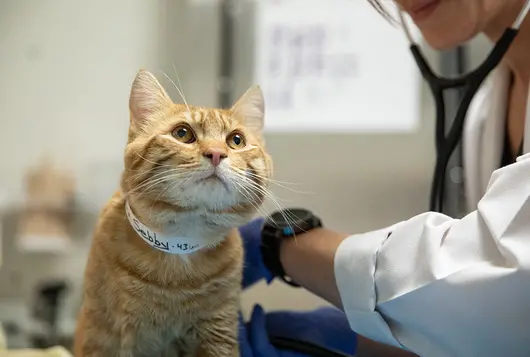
[211, 193]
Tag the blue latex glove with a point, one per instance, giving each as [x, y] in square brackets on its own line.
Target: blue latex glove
[254, 270]
[326, 327]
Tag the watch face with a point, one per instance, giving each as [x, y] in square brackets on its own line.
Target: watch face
[289, 217]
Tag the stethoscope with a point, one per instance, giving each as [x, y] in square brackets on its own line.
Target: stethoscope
[445, 145]
[469, 83]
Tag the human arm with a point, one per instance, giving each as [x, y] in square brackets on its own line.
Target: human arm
[307, 326]
[440, 286]
[309, 261]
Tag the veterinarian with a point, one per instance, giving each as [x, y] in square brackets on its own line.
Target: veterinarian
[433, 285]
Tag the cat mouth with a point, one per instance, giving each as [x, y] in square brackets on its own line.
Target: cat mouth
[211, 178]
[214, 177]
[209, 175]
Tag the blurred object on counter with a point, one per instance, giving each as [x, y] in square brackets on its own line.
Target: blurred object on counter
[3, 339]
[48, 212]
[46, 310]
[3, 198]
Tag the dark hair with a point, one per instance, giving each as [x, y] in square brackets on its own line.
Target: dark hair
[381, 9]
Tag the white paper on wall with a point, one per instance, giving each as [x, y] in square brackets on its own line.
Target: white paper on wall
[334, 66]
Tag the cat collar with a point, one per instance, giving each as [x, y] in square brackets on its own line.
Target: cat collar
[168, 244]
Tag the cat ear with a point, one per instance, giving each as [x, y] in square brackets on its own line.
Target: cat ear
[251, 108]
[147, 97]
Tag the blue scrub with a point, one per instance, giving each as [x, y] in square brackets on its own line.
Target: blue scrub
[325, 326]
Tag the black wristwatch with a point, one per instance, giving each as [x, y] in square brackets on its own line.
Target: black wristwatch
[283, 225]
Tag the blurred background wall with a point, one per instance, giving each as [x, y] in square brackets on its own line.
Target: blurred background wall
[65, 73]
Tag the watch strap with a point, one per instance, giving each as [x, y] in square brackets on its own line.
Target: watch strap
[272, 238]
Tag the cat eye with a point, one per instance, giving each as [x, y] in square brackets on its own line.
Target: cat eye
[236, 140]
[184, 134]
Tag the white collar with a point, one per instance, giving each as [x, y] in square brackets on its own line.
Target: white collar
[526, 139]
[167, 244]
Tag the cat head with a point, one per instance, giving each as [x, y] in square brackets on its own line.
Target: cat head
[195, 158]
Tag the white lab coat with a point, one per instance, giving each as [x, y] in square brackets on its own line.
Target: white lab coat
[444, 287]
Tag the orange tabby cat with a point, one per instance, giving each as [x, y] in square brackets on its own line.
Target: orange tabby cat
[164, 271]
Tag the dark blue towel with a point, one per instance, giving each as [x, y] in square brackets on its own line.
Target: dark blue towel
[327, 326]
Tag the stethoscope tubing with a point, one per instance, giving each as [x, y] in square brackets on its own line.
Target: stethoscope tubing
[446, 143]
[304, 347]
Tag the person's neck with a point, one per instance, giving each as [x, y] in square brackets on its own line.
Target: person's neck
[518, 56]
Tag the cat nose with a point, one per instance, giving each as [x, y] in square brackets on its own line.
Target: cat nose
[215, 155]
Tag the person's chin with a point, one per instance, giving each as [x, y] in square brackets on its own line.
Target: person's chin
[441, 43]
[442, 40]
[444, 32]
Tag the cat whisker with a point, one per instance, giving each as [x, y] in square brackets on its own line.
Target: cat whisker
[169, 187]
[149, 184]
[152, 162]
[175, 177]
[160, 175]
[266, 193]
[145, 190]
[271, 197]
[131, 170]
[274, 182]
[255, 198]
[251, 181]
[178, 90]
[181, 88]
[265, 178]
[246, 193]
[173, 170]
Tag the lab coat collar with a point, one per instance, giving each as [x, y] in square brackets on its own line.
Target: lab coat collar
[492, 142]
[526, 138]
[484, 132]
[482, 140]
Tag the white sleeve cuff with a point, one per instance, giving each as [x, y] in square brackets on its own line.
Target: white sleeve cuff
[355, 265]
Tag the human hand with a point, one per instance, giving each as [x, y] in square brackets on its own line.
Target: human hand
[253, 269]
[326, 327]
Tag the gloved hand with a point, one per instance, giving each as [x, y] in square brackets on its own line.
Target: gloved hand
[254, 269]
[327, 327]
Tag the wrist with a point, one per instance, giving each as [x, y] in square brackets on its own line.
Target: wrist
[309, 260]
[278, 230]
[319, 243]
[291, 246]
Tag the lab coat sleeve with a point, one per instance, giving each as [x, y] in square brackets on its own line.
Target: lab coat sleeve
[447, 287]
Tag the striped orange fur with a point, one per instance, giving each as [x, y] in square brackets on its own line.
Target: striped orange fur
[139, 301]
